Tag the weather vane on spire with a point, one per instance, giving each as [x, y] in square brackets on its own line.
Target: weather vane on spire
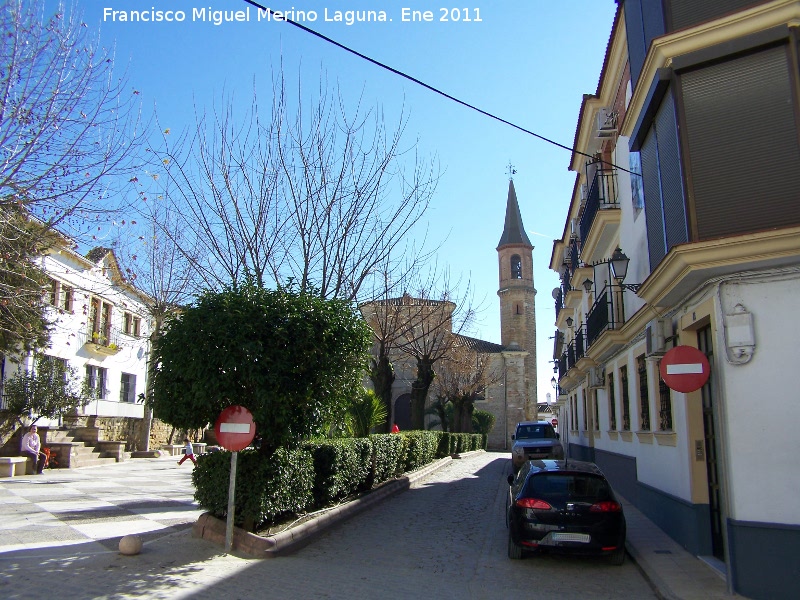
[511, 170]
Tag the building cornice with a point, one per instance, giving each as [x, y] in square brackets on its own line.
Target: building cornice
[688, 265]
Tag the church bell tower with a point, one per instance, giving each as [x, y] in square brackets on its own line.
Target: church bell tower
[517, 294]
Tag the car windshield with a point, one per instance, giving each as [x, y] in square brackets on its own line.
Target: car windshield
[535, 432]
[565, 486]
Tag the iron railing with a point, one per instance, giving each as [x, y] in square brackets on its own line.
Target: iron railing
[602, 195]
[607, 312]
[103, 336]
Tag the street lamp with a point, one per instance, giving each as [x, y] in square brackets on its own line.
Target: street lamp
[619, 267]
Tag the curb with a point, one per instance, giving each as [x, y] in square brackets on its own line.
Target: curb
[212, 529]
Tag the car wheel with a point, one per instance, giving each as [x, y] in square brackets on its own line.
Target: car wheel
[514, 551]
[617, 557]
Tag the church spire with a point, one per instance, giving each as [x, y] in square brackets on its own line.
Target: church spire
[514, 232]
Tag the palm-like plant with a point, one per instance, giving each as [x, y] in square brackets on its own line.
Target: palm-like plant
[364, 414]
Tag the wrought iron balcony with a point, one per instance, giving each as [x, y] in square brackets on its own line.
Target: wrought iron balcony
[580, 348]
[602, 195]
[104, 340]
[607, 312]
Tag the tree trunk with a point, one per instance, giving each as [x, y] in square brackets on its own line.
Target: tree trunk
[158, 321]
[382, 377]
[462, 414]
[419, 393]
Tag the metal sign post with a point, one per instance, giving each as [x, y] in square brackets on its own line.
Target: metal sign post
[231, 505]
[235, 429]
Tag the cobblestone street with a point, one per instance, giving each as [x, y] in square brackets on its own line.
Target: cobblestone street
[444, 538]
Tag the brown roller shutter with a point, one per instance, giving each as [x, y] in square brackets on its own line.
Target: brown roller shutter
[685, 13]
[742, 142]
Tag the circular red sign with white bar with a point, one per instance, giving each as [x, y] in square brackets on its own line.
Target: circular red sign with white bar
[235, 428]
[685, 369]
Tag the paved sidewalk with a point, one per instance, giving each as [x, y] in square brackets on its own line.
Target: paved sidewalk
[672, 571]
[70, 522]
[88, 510]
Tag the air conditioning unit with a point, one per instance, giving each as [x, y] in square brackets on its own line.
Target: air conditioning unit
[606, 123]
[573, 229]
[656, 333]
[584, 192]
[597, 377]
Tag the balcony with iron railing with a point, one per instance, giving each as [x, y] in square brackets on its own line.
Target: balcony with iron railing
[103, 340]
[607, 312]
[602, 196]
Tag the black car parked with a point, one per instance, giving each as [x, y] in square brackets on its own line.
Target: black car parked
[564, 506]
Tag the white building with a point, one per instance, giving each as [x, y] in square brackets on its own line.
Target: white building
[100, 328]
[688, 161]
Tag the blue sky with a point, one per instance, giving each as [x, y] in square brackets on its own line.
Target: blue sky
[527, 61]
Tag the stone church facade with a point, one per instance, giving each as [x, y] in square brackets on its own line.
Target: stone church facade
[511, 390]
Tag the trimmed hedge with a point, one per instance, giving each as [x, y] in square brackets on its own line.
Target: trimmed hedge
[265, 488]
[318, 474]
[420, 448]
[341, 468]
[388, 457]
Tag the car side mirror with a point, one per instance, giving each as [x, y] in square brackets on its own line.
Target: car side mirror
[513, 437]
[558, 436]
[510, 480]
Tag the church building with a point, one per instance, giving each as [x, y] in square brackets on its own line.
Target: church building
[510, 393]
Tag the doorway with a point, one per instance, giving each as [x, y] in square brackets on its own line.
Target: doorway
[708, 393]
[402, 412]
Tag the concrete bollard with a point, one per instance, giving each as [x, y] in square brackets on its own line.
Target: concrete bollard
[130, 545]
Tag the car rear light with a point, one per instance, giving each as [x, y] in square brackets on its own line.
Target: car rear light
[606, 506]
[531, 544]
[608, 548]
[533, 503]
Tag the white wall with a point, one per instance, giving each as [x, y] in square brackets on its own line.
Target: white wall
[761, 401]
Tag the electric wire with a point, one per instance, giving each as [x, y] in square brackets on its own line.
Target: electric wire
[399, 73]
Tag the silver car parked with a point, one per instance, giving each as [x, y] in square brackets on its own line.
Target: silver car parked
[535, 440]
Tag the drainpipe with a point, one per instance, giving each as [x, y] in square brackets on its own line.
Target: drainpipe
[505, 403]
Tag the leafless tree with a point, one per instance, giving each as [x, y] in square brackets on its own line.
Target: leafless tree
[68, 125]
[388, 315]
[309, 192]
[464, 374]
[435, 318]
[68, 134]
[161, 265]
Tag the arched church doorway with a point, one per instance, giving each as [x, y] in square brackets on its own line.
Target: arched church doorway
[402, 412]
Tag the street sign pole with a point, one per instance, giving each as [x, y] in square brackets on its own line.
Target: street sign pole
[235, 429]
[231, 504]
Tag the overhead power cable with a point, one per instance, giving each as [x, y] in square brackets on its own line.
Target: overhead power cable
[377, 63]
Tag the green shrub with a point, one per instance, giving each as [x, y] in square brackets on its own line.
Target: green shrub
[421, 448]
[388, 452]
[341, 468]
[266, 487]
[482, 421]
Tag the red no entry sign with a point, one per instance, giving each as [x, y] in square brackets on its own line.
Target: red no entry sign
[235, 428]
[554, 422]
[685, 369]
